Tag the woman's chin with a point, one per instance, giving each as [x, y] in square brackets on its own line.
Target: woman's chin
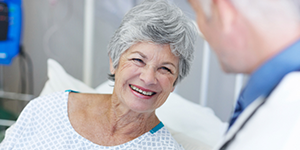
[142, 108]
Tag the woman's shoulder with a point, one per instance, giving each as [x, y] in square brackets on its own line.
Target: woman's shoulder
[52, 98]
[164, 138]
[56, 101]
[169, 140]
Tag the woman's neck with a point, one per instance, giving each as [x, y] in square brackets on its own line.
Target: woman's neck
[122, 120]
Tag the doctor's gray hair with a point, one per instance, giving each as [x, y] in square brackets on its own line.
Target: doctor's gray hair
[159, 22]
[266, 11]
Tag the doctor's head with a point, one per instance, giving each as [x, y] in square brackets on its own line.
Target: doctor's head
[246, 33]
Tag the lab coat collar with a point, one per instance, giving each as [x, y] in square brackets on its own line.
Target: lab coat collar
[241, 120]
[286, 91]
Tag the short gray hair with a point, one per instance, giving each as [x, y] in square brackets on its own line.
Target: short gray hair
[265, 10]
[160, 22]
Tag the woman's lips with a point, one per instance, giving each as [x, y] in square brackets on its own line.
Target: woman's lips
[142, 91]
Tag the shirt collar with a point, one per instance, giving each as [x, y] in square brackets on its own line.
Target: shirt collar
[266, 78]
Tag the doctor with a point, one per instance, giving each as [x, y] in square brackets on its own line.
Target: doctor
[260, 38]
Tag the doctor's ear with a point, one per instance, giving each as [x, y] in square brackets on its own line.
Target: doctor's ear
[111, 66]
[227, 14]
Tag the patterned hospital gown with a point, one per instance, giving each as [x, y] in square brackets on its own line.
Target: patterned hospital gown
[44, 124]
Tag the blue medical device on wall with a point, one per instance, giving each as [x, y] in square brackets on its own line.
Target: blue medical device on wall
[10, 29]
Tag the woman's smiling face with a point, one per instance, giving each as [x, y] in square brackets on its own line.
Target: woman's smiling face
[145, 76]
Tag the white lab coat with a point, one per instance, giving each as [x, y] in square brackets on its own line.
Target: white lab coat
[275, 125]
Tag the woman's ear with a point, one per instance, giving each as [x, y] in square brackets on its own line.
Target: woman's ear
[111, 66]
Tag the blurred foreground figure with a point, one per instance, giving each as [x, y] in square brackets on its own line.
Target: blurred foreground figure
[260, 38]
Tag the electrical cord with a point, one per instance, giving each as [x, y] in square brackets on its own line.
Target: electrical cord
[22, 86]
[26, 72]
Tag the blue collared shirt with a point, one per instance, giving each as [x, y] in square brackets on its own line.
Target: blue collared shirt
[267, 77]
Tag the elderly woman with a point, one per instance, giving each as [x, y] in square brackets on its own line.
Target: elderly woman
[149, 53]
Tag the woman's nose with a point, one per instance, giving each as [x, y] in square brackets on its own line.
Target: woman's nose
[148, 76]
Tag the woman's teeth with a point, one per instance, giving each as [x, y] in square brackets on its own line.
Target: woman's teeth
[141, 91]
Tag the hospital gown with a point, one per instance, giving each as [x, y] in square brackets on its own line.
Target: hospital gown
[44, 124]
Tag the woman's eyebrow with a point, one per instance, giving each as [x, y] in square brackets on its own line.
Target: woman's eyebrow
[144, 56]
[169, 63]
[140, 53]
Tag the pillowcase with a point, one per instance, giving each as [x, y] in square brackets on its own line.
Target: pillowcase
[193, 126]
[60, 80]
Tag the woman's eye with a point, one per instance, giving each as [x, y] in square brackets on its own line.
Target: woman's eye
[166, 69]
[137, 60]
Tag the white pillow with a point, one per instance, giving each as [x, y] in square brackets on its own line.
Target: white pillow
[193, 126]
[60, 80]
